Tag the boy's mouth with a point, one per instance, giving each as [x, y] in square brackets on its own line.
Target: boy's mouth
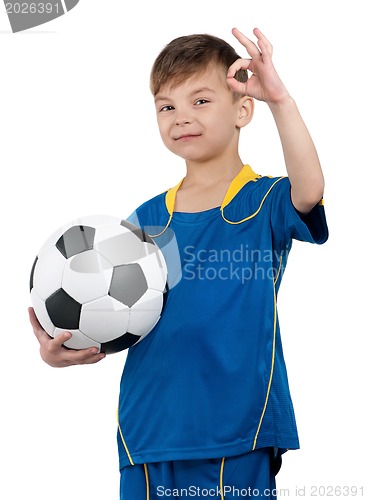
[187, 137]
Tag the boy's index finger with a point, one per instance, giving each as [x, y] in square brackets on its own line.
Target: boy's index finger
[237, 65]
[249, 45]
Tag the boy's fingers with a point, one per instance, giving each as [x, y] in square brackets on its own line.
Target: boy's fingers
[86, 356]
[237, 86]
[94, 358]
[266, 55]
[261, 37]
[249, 45]
[53, 345]
[76, 356]
[60, 339]
[42, 335]
[237, 65]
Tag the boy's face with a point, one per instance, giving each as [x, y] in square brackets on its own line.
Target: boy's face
[198, 119]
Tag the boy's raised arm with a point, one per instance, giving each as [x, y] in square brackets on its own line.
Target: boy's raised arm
[300, 155]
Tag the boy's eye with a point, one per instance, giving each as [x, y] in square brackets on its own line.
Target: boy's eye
[166, 108]
[201, 101]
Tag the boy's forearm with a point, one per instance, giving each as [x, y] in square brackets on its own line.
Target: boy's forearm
[300, 155]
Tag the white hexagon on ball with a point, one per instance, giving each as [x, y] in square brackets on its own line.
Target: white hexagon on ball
[87, 276]
[101, 312]
[118, 244]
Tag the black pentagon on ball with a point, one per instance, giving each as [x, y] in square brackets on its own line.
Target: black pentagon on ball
[32, 274]
[76, 240]
[117, 345]
[139, 233]
[128, 284]
[63, 310]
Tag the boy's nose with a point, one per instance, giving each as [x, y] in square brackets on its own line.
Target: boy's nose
[183, 119]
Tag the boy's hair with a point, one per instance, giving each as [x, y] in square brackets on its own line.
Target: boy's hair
[191, 55]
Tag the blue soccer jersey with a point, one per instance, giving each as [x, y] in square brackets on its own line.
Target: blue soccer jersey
[210, 379]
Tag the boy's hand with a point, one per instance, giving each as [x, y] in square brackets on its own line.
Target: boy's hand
[264, 84]
[55, 354]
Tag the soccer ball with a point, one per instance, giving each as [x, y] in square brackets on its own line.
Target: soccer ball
[101, 278]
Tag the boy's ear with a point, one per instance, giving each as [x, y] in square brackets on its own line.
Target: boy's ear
[245, 111]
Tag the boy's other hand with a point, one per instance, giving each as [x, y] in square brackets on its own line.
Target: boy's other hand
[55, 354]
[264, 84]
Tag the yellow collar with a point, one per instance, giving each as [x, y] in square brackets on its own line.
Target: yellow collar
[245, 175]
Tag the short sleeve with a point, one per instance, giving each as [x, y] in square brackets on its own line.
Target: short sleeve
[287, 223]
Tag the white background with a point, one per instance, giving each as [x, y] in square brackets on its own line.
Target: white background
[78, 136]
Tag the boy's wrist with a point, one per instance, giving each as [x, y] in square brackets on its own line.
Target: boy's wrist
[284, 103]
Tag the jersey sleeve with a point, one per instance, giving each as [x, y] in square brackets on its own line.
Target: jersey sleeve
[287, 223]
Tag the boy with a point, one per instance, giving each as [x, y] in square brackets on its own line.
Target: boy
[204, 406]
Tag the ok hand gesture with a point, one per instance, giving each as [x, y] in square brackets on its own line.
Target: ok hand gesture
[264, 84]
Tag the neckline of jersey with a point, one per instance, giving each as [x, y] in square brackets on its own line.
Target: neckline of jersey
[245, 175]
[192, 217]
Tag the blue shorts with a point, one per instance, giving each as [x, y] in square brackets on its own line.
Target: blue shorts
[251, 475]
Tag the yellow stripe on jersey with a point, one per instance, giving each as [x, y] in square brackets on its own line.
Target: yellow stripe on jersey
[221, 479]
[256, 211]
[123, 440]
[271, 370]
[147, 480]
